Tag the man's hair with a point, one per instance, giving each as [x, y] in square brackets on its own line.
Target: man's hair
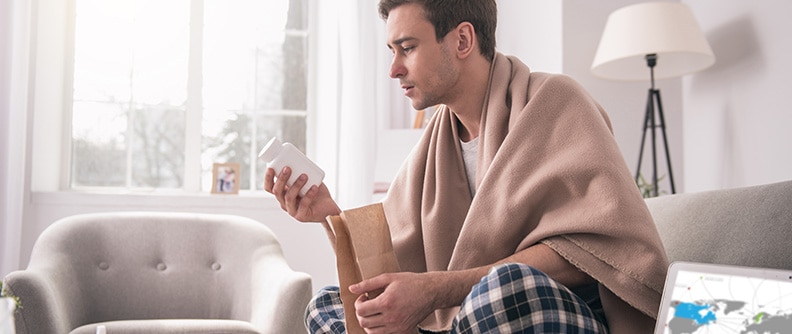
[445, 15]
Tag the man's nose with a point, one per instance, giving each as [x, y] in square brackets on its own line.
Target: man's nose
[397, 69]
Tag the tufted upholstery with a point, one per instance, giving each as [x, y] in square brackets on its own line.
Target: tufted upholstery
[125, 270]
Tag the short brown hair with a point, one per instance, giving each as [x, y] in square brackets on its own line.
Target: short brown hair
[445, 15]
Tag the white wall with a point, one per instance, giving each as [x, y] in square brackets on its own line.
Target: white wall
[531, 30]
[737, 114]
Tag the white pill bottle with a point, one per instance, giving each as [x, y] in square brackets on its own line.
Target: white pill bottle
[279, 155]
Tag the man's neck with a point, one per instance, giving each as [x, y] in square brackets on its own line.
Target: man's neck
[469, 101]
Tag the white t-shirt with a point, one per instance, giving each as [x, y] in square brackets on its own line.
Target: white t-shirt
[470, 156]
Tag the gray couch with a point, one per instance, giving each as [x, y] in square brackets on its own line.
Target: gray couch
[158, 273]
[747, 226]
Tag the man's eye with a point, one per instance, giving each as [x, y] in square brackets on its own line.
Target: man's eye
[407, 49]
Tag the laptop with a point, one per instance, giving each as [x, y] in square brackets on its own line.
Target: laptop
[703, 298]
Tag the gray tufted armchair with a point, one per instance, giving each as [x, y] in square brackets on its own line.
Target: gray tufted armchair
[151, 272]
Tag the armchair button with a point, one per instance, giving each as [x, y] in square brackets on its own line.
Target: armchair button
[216, 266]
[103, 265]
[162, 267]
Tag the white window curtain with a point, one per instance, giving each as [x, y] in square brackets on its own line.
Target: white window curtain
[350, 49]
[14, 46]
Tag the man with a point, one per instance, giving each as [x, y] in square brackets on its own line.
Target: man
[515, 212]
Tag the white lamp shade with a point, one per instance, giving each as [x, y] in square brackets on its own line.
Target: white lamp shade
[667, 29]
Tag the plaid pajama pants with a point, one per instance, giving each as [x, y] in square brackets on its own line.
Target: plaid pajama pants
[512, 298]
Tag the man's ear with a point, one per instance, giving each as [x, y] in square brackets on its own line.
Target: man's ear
[466, 39]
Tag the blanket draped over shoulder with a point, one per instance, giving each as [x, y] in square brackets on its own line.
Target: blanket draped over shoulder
[549, 171]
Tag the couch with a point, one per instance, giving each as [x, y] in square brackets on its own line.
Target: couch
[148, 272]
[746, 226]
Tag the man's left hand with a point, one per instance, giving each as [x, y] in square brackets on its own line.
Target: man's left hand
[407, 299]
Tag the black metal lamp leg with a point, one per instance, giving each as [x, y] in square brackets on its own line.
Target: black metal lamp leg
[665, 140]
[646, 126]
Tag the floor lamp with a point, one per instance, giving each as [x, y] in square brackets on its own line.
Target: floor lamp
[654, 40]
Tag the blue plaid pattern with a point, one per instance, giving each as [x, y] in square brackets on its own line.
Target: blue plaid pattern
[512, 298]
[516, 298]
[325, 313]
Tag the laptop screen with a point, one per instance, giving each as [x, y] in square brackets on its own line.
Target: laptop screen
[704, 298]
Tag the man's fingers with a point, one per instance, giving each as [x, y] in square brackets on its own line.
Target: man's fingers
[269, 180]
[279, 188]
[372, 322]
[371, 284]
[293, 193]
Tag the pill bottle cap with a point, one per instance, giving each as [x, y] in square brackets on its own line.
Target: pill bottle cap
[273, 148]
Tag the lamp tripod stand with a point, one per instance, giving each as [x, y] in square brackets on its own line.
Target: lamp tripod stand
[651, 123]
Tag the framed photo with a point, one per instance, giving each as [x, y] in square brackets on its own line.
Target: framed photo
[225, 178]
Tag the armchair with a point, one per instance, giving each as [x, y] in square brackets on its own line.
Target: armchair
[136, 272]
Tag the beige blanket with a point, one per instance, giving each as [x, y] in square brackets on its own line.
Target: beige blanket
[549, 171]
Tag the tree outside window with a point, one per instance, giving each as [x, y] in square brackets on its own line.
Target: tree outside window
[131, 107]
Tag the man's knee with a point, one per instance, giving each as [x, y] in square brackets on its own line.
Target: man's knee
[515, 271]
[325, 313]
[523, 298]
[509, 274]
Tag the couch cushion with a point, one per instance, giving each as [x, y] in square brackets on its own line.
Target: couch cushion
[749, 226]
[196, 326]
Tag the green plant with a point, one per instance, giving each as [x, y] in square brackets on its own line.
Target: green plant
[648, 189]
[4, 293]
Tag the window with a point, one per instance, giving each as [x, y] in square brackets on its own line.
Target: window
[161, 87]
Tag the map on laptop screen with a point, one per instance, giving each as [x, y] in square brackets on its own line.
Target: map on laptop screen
[704, 298]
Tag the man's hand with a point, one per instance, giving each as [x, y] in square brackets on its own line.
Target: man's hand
[315, 206]
[407, 299]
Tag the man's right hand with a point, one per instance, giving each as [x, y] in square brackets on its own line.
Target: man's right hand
[315, 206]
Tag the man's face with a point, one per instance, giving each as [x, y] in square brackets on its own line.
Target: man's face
[424, 67]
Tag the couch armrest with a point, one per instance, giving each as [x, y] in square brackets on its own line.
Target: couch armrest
[280, 296]
[41, 311]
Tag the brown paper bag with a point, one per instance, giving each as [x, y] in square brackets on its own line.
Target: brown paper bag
[363, 250]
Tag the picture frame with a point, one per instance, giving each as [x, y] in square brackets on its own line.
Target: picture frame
[225, 178]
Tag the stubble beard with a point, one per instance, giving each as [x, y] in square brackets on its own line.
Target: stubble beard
[438, 87]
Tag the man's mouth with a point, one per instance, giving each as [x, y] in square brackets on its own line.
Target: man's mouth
[407, 89]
